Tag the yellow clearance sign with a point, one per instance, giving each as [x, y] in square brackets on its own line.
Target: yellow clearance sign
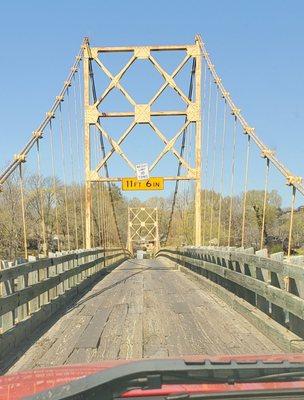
[154, 183]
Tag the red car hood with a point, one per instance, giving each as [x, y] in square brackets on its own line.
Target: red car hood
[22, 384]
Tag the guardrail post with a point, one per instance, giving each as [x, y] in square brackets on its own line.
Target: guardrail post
[76, 263]
[20, 283]
[59, 270]
[34, 304]
[277, 280]
[8, 319]
[262, 275]
[296, 288]
[52, 273]
[42, 275]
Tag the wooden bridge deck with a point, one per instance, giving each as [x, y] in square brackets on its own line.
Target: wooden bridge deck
[144, 309]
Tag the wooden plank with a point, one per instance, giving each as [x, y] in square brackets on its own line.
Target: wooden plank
[32, 356]
[111, 337]
[186, 336]
[91, 334]
[30, 359]
[154, 338]
[175, 341]
[81, 356]
[154, 330]
[64, 345]
[152, 312]
[181, 308]
[132, 339]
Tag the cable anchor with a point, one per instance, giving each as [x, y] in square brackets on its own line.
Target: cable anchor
[294, 180]
[21, 158]
[267, 153]
[248, 130]
[37, 134]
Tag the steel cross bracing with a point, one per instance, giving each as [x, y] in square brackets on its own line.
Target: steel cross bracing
[142, 226]
[142, 114]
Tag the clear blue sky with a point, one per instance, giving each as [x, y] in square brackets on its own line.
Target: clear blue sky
[257, 47]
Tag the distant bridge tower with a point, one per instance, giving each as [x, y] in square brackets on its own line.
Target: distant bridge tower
[143, 227]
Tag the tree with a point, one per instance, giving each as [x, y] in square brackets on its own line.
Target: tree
[255, 211]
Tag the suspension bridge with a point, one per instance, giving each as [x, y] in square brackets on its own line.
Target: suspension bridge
[221, 266]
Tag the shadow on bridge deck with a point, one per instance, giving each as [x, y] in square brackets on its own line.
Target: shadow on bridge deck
[144, 309]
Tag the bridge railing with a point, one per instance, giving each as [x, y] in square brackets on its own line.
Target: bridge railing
[272, 284]
[31, 292]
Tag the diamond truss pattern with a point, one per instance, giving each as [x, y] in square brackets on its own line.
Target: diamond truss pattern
[142, 112]
[143, 226]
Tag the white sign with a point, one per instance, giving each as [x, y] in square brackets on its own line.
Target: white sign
[142, 171]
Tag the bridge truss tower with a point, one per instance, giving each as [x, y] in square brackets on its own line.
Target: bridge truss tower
[143, 227]
[142, 114]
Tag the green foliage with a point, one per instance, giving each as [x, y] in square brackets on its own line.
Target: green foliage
[63, 212]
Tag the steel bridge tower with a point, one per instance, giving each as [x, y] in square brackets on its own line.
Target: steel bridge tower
[142, 114]
[143, 227]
